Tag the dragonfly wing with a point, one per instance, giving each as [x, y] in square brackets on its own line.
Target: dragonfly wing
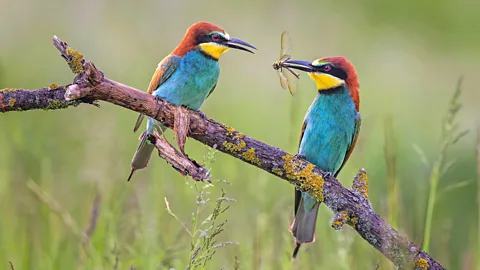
[291, 81]
[285, 44]
[283, 79]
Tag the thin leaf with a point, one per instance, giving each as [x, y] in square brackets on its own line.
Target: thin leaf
[421, 154]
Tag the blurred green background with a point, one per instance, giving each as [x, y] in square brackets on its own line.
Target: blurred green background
[53, 164]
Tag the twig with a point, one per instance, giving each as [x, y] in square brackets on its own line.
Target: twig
[90, 85]
[179, 161]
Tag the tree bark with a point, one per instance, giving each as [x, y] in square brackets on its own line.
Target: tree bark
[349, 205]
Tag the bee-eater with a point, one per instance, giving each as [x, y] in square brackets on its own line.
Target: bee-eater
[329, 131]
[187, 76]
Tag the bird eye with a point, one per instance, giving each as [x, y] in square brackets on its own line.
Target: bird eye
[215, 37]
[327, 68]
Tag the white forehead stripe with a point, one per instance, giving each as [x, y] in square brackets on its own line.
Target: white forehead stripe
[318, 62]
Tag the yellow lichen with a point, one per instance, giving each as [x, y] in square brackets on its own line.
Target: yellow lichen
[9, 89]
[421, 264]
[11, 102]
[232, 147]
[342, 218]
[235, 147]
[230, 131]
[75, 62]
[360, 183]
[53, 86]
[277, 171]
[352, 220]
[309, 181]
[251, 156]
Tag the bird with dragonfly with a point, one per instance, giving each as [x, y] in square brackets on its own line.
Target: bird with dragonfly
[330, 128]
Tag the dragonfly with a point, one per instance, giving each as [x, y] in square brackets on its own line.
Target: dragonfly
[286, 78]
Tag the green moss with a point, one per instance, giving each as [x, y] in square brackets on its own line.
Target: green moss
[251, 156]
[11, 102]
[309, 181]
[55, 105]
[75, 63]
[421, 264]
[53, 86]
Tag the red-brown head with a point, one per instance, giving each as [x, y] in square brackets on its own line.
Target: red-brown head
[329, 73]
[209, 38]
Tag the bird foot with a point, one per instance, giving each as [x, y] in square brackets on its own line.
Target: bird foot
[157, 99]
[159, 106]
[327, 174]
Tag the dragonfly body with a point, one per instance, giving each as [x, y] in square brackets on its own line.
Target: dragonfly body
[285, 79]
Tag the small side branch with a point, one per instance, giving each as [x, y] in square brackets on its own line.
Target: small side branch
[350, 206]
[44, 98]
[179, 162]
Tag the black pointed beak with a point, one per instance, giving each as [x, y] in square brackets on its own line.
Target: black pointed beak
[234, 44]
[300, 65]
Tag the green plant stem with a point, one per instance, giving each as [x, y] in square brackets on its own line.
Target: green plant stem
[390, 162]
[434, 177]
[449, 137]
[478, 197]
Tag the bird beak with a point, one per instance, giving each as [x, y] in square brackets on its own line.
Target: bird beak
[234, 44]
[300, 65]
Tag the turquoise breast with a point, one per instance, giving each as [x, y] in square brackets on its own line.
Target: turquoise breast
[192, 81]
[330, 127]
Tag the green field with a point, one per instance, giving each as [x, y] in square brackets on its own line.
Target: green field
[56, 166]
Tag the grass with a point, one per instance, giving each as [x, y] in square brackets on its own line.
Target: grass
[449, 136]
[391, 169]
[478, 197]
[99, 222]
[205, 231]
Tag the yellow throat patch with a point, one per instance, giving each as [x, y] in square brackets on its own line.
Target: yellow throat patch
[326, 81]
[213, 49]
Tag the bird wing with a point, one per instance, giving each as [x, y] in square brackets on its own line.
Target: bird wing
[351, 146]
[164, 70]
[211, 91]
[298, 193]
[302, 131]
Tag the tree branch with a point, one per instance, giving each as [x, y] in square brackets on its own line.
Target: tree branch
[350, 206]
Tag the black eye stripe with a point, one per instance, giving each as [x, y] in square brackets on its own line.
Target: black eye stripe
[210, 37]
[334, 71]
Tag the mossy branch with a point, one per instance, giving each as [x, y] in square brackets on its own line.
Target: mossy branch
[350, 206]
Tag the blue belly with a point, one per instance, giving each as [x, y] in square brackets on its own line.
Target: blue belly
[191, 82]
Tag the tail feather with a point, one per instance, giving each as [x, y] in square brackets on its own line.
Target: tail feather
[138, 123]
[295, 251]
[303, 226]
[142, 155]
